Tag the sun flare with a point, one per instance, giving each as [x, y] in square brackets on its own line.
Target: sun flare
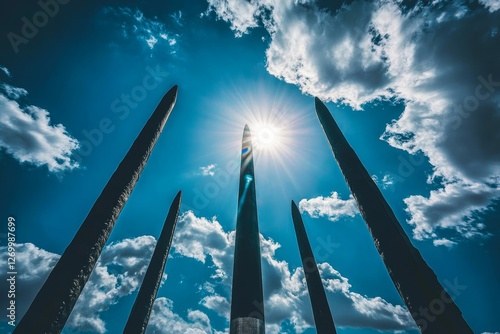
[266, 136]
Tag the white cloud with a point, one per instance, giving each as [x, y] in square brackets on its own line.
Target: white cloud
[217, 303]
[5, 70]
[285, 292]
[13, 92]
[332, 207]
[241, 14]
[208, 170]
[33, 266]
[122, 265]
[446, 207]
[440, 59]
[129, 260]
[28, 135]
[162, 317]
[177, 17]
[118, 273]
[444, 242]
[387, 181]
[134, 24]
[492, 5]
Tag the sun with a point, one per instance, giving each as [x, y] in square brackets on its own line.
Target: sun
[266, 136]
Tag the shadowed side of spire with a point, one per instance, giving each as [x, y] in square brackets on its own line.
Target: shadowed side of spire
[139, 316]
[415, 281]
[54, 302]
[321, 310]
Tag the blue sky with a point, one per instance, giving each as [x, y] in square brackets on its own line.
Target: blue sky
[415, 89]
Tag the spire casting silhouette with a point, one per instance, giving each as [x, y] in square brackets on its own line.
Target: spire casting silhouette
[139, 316]
[247, 301]
[321, 310]
[414, 279]
[52, 306]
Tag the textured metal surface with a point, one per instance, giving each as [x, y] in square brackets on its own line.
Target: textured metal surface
[415, 281]
[321, 310]
[247, 325]
[247, 297]
[139, 316]
[54, 302]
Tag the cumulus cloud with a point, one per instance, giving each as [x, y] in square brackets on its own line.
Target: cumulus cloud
[163, 317]
[13, 92]
[208, 170]
[217, 303]
[33, 265]
[241, 14]
[118, 273]
[332, 207]
[492, 5]
[446, 208]
[387, 181]
[5, 70]
[440, 59]
[27, 134]
[285, 291]
[135, 25]
[122, 265]
[444, 242]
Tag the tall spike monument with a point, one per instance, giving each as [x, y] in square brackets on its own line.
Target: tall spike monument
[415, 281]
[53, 304]
[247, 300]
[139, 316]
[321, 310]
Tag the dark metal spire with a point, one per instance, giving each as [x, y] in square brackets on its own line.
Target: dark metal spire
[139, 316]
[321, 310]
[247, 301]
[53, 304]
[414, 279]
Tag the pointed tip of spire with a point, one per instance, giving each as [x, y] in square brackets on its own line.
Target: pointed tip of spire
[247, 135]
[173, 91]
[177, 200]
[170, 97]
[319, 105]
[295, 208]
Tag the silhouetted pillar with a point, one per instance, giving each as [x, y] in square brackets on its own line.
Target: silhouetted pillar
[414, 279]
[54, 302]
[321, 310]
[247, 303]
[139, 316]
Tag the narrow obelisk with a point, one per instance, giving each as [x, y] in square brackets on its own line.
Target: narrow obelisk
[53, 304]
[139, 316]
[247, 301]
[321, 310]
[428, 302]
